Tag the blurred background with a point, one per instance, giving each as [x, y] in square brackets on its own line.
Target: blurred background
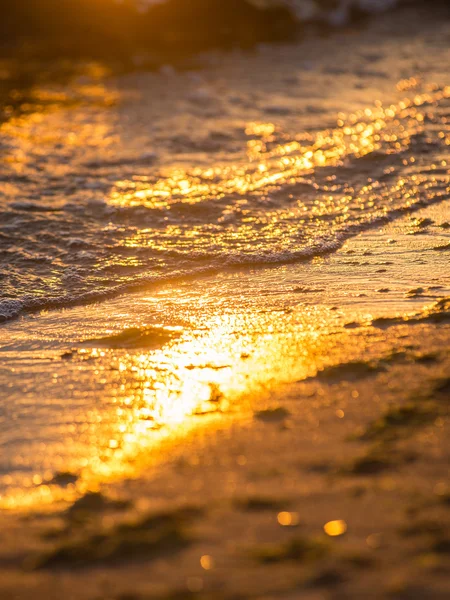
[121, 28]
[113, 28]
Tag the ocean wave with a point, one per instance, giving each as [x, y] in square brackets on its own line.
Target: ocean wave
[13, 308]
[295, 197]
[97, 201]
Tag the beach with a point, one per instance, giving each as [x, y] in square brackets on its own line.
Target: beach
[224, 348]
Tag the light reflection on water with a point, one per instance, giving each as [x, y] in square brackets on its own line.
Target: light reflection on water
[128, 404]
[271, 163]
[293, 196]
[93, 211]
[154, 398]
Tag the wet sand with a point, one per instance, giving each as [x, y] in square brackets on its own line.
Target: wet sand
[255, 433]
[311, 414]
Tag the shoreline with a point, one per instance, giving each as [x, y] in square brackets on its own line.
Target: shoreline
[365, 435]
[257, 434]
[386, 281]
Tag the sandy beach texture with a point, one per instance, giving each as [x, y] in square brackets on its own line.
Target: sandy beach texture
[258, 415]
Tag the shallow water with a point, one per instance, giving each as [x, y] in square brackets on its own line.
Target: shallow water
[99, 200]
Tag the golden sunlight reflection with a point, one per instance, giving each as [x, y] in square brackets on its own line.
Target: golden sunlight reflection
[335, 528]
[147, 398]
[213, 371]
[271, 163]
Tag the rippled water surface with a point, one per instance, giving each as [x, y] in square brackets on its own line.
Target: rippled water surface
[90, 207]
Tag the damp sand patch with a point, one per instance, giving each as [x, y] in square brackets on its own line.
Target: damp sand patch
[351, 370]
[438, 312]
[135, 338]
[149, 537]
